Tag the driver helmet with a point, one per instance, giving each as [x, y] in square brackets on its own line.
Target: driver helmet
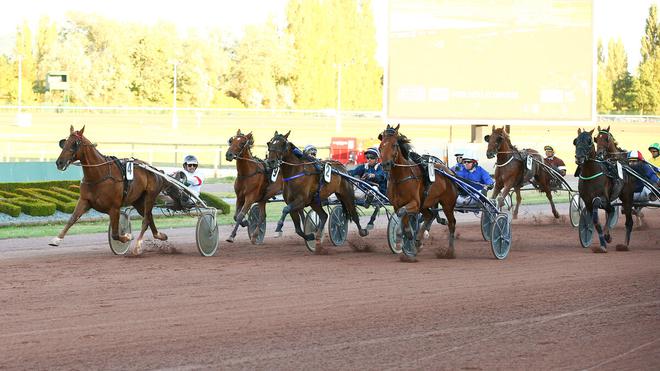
[655, 146]
[635, 155]
[310, 150]
[373, 151]
[470, 159]
[190, 160]
[549, 148]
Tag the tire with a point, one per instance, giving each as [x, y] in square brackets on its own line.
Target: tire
[338, 225]
[394, 238]
[585, 228]
[207, 234]
[310, 226]
[486, 225]
[256, 221]
[574, 209]
[118, 247]
[500, 241]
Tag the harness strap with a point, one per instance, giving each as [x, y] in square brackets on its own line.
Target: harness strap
[591, 177]
[409, 177]
[294, 176]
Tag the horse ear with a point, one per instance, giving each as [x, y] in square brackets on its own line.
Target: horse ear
[388, 126]
[397, 127]
[591, 132]
[504, 129]
[487, 138]
[275, 133]
[380, 136]
[286, 136]
[82, 130]
[579, 131]
[598, 127]
[493, 129]
[238, 132]
[608, 128]
[71, 130]
[575, 141]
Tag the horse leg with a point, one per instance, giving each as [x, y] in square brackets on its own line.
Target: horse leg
[428, 220]
[602, 247]
[152, 225]
[451, 224]
[147, 221]
[501, 196]
[627, 200]
[609, 209]
[370, 224]
[323, 217]
[518, 202]
[81, 207]
[262, 213]
[280, 223]
[548, 194]
[496, 190]
[238, 218]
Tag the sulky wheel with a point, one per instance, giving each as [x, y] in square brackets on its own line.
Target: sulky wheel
[486, 224]
[500, 240]
[614, 217]
[311, 225]
[574, 209]
[118, 247]
[207, 234]
[256, 221]
[338, 225]
[394, 239]
[586, 228]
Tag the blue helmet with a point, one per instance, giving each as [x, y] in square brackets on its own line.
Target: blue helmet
[372, 150]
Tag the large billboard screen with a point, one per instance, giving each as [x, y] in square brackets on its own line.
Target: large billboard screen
[529, 60]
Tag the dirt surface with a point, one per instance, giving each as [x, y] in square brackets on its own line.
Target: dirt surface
[549, 305]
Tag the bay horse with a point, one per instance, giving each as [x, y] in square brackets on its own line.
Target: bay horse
[103, 188]
[595, 189]
[510, 170]
[252, 182]
[607, 147]
[303, 187]
[409, 195]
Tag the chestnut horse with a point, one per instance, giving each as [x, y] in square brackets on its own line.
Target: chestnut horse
[595, 189]
[252, 182]
[103, 188]
[510, 169]
[409, 195]
[303, 187]
[607, 147]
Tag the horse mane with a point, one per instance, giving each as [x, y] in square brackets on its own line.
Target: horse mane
[403, 141]
[506, 136]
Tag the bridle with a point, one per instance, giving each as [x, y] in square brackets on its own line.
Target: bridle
[247, 144]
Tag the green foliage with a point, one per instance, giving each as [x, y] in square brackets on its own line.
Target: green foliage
[34, 208]
[9, 209]
[213, 201]
[63, 204]
[66, 192]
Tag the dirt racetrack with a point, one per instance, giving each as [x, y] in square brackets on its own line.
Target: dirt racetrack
[549, 305]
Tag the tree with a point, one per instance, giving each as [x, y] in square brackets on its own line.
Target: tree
[651, 38]
[648, 88]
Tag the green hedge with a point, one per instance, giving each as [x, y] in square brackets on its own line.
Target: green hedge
[34, 208]
[66, 206]
[216, 202]
[67, 192]
[9, 209]
[11, 187]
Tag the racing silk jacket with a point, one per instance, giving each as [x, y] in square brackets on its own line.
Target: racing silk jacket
[555, 163]
[478, 175]
[655, 162]
[379, 177]
[194, 181]
[645, 171]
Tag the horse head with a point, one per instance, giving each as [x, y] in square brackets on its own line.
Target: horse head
[584, 146]
[605, 143]
[277, 147]
[71, 148]
[389, 146]
[495, 140]
[238, 144]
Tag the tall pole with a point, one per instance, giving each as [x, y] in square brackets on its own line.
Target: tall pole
[338, 114]
[20, 81]
[175, 119]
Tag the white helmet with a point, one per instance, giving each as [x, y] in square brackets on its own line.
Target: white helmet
[310, 149]
[190, 159]
[373, 150]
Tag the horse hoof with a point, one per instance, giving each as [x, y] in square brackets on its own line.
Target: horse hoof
[370, 226]
[608, 238]
[277, 234]
[407, 259]
[598, 249]
[621, 247]
[161, 236]
[426, 235]
[244, 223]
[55, 241]
[364, 232]
[230, 239]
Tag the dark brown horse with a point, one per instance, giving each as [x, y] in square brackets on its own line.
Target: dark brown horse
[607, 147]
[102, 188]
[252, 182]
[409, 195]
[595, 189]
[511, 170]
[303, 187]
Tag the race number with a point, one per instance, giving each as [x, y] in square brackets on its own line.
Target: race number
[327, 173]
[431, 170]
[129, 170]
[274, 174]
[529, 162]
[619, 170]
